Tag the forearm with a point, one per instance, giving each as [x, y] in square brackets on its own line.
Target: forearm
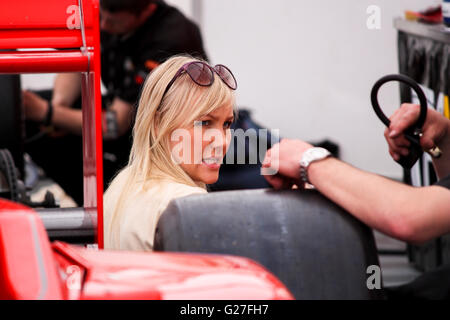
[72, 119]
[68, 119]
[67, 89]
[383, 204]
[408, 213]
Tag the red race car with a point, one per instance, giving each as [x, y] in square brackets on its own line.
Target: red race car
[33, 268]
[317, 250]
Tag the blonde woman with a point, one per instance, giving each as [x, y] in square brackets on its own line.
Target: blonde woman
[174, 154]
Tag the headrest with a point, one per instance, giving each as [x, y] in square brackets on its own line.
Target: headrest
[318, 250]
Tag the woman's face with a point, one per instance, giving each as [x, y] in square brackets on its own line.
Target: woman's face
[200, 149]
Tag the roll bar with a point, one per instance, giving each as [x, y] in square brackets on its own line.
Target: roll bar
[62, 36]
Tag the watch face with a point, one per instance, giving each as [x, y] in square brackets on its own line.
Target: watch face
[316, 153]
[313, 154]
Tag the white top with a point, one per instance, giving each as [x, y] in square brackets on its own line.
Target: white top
[140, 213]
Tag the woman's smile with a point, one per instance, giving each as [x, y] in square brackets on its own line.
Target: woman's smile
[212, 163]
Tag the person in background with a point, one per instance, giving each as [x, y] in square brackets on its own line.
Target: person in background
[412, 214]
[136, 36]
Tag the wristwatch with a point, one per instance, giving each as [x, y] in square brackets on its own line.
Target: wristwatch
[47, 122]
[308, 157]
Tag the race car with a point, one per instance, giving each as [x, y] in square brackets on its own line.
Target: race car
[274, 245]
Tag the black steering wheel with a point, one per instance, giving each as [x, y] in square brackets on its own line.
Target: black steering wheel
[412, 133]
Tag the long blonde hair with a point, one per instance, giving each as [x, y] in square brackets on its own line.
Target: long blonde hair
[157, 117]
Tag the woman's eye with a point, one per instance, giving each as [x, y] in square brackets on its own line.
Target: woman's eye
[203, 123]
[227, 124]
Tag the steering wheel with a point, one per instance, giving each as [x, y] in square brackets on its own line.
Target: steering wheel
[414, 132]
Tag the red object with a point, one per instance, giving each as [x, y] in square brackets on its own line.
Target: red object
[432, 15]
[138, 79]
[42, 61]
[65, 37]
[168, 276]
[28, 269]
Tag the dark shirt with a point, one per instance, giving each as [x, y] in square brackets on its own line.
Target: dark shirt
[127, 60]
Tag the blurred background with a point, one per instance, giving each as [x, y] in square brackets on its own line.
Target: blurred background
[305, 67]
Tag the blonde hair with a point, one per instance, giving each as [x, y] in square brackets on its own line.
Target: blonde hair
[157, 117]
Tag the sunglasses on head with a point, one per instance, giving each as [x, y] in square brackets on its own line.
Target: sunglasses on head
[203, 74]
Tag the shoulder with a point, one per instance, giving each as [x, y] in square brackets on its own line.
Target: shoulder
[118, 181]
[166, 33]
[180, 190]
[157, 193]
[115, 189]
[167, 13]
[171, 25]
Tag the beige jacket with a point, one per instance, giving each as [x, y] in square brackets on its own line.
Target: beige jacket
[141, 211]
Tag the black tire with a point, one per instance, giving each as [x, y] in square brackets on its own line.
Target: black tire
[12, 133]
[315, 248]
[9, 171]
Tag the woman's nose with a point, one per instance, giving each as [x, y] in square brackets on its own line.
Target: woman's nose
[226, 139]
[217, 142]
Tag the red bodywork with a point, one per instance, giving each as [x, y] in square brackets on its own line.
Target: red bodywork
[32, 268]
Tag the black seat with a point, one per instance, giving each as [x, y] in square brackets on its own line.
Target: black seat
[11, 120]
[314, 247]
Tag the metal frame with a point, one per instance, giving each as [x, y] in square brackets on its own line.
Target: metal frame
[437, 32]
[40, 25]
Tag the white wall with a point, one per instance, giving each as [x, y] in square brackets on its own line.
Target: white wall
[307, 67]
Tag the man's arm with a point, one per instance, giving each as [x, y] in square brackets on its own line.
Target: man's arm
[401, 211]
[404, 212]
[66, 89]
[69, 119]
[436, 132]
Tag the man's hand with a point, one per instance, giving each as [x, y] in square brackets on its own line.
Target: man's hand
[284, 157]
[35, 107]
[435, 129]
